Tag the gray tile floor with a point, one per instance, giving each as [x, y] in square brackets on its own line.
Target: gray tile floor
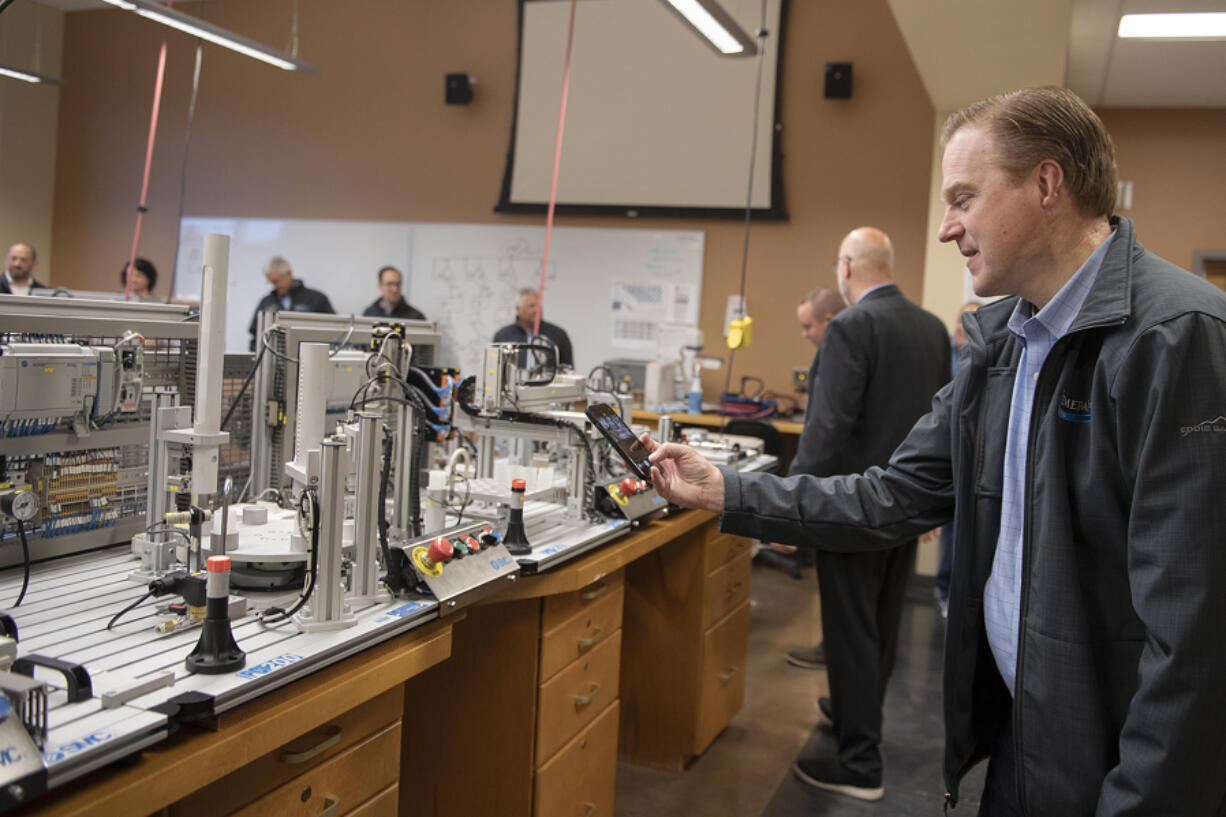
[747, 771]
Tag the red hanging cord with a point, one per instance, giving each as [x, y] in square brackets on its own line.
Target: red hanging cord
[130, 279]
[557, 160]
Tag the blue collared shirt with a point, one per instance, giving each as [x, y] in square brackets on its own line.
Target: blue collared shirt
[1037, 333]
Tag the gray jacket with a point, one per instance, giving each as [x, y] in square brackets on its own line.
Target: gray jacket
[1121, 676]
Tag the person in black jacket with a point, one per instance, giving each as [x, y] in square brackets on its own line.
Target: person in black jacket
[391, 303]
[882, 359]
[287, 294]
[521, 330]
[19, 264]
[1081, 453]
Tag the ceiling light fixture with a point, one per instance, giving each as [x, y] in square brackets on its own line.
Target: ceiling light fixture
[1188, 27]
[214, 34]
[715, 25]
[27, 76]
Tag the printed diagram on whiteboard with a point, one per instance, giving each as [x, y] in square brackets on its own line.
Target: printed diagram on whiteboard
[638, 310]
[477, 296]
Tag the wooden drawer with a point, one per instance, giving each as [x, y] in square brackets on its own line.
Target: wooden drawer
[265, 773]
[384, 804]
[579, 634]
[722, 548]
[575, 696]
[726, 589]
[579, 779]
[564, 606]
[721, 688]
[347, 780]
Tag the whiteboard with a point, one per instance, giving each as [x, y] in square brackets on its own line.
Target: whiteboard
[610, 289]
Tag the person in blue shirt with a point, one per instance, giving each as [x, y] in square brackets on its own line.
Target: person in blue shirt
[1080, 452]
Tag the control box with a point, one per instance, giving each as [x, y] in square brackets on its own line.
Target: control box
[459, 565]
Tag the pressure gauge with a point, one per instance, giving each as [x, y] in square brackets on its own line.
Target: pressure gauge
[21, 505]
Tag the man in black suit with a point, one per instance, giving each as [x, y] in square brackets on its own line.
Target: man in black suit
[19, 264]
[288, 294]
[882, 359]
[391, 302]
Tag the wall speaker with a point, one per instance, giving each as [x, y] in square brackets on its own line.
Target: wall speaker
[458, 89]
[838, 80]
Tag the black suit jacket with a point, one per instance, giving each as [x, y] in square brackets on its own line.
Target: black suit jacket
[514, 333]
[881, 362]
[402, 310]
[5, 289]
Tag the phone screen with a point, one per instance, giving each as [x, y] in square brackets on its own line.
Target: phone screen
[615, 430]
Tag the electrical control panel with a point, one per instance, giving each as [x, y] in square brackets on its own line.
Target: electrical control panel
[459, 565]
[632, 499]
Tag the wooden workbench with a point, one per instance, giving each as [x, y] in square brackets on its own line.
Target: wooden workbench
[711, 420]
[633, 650]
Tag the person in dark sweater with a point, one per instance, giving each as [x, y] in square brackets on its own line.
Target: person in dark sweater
[521, 331]
[391, 302]
[287, 294]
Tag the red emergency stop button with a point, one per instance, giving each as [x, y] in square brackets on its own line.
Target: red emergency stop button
[440, 550]
[629, 486]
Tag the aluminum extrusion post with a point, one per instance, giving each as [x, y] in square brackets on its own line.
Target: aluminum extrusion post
[311, 406]
[577, 489]
[210, 360]
[405, 426]
[327, 608]
[365, 583]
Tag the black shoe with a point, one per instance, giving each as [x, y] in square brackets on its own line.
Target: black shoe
[826, 708]
[810, 658]
[828, 775]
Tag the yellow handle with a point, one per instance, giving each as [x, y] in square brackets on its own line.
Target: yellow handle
[583, 700]
[331, 737]
[595, 593]
[332, 806]
[726, 675]
[585, 643]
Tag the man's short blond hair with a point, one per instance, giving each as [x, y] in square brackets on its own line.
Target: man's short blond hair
[1034, 124]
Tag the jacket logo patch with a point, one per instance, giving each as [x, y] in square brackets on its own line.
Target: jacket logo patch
[1074, 411]
[1215, 426]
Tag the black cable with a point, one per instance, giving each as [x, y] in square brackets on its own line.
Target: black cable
[25, 561]
[274, 615]
[166, 527]
[238, 398]
[128, 609]
[393, 579]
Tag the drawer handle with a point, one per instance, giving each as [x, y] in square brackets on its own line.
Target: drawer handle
[331, 737]
[594, 593]
[585, 643]
[726, 675]
[332, 806]
[589, 809]
[733, 590]
[583, 700]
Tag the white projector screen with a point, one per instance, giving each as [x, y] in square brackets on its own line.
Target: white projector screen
[657, 122]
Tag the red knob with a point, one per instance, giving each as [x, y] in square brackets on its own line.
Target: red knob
[440, 551]
[472, 543]
[629, 486]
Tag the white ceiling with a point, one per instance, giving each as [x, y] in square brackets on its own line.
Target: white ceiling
[968, 49]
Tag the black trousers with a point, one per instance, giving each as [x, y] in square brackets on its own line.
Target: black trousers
[1000, 785]
[862, 595]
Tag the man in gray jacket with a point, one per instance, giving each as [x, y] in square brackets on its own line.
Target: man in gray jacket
[1081, 454]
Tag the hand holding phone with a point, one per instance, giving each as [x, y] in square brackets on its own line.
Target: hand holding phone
[615, 430]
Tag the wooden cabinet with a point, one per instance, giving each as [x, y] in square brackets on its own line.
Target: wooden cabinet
[341, 767]
[577, 705]
[685, 632]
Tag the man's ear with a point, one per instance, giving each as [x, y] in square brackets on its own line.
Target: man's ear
[1050, 178]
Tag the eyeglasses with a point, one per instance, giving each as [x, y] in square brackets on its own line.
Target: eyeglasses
[834, 265]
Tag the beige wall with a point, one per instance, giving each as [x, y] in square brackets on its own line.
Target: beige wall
[370, 138]
[28, 117]
[1176, 160]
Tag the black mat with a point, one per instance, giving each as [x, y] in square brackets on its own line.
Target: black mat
[913, 743]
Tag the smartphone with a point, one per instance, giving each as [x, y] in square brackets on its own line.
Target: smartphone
[615, 430]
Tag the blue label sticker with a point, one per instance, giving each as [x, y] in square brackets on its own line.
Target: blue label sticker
[268, 666]
[61, 753]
